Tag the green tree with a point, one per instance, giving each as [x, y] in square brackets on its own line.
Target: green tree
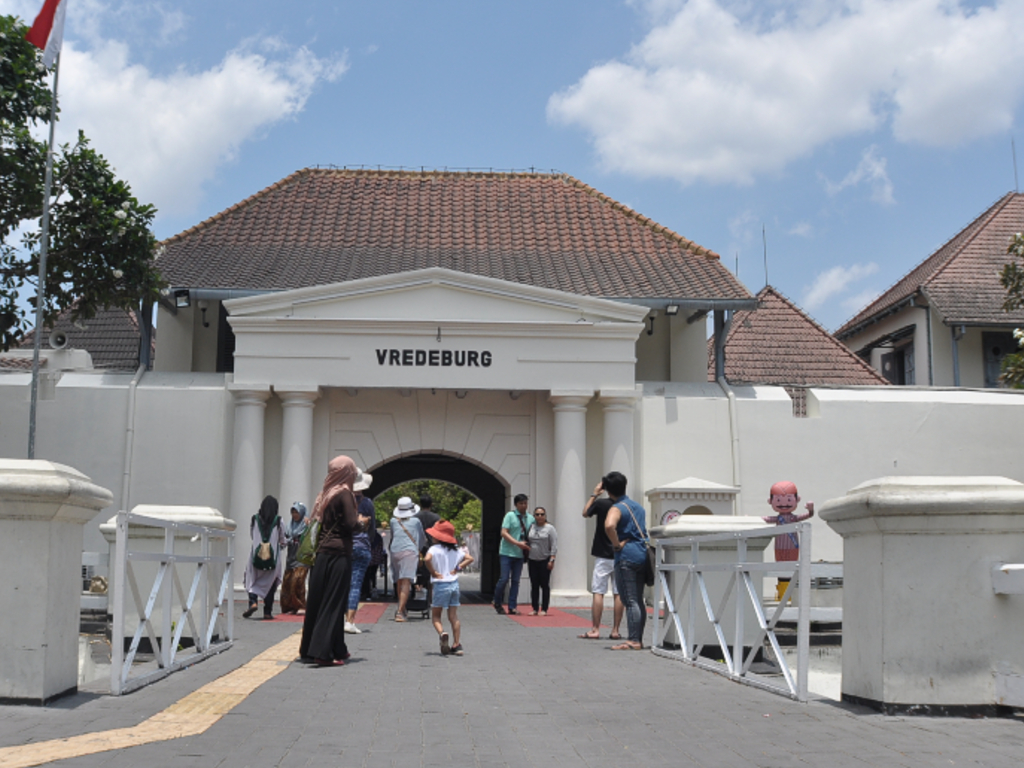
[101, 249]
[451, 502]
[1012, 278]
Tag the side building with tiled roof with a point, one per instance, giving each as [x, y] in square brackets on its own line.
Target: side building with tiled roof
[943, 324]
[780, 344]
[334, 226]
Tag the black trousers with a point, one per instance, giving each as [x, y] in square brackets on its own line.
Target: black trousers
[323, 630]
[540, 584]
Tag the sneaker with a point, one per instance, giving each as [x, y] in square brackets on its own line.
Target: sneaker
[445, 650]
[499, 609]
[457, 650]
[352, 629]
[249, 611]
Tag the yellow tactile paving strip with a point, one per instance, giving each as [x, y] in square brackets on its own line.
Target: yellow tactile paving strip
[189, 716]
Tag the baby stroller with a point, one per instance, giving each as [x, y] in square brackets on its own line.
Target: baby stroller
[419, 600]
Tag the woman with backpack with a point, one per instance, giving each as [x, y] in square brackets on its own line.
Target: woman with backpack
[265, 567]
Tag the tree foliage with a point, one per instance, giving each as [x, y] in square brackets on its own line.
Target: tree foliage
[1012, 278]
[450, 501]
[101, 250]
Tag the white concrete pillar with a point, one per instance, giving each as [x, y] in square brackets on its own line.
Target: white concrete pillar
[619, 407]
[43, 507]
[296, 444]
[569, 578]
[247, 468]
[927, 625]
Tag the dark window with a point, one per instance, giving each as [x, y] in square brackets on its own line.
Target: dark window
[225, 343]
[997, 345]
[898, 365]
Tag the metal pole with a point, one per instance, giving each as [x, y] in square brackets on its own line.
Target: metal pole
[803, 627]
[44, 242]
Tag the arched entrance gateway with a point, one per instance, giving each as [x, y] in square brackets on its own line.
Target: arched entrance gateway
[439, 374]
[491, 491]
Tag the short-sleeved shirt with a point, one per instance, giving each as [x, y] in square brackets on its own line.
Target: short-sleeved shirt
[516, 530]
[602, 547]
[406, 535]
[444, 561]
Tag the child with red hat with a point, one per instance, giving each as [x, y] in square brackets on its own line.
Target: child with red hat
[445, 561]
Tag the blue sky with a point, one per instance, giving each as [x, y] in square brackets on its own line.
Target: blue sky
[861, 135]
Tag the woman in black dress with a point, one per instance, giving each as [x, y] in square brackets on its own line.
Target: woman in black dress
[323, 631]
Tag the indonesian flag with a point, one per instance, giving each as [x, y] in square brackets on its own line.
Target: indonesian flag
[47, 31]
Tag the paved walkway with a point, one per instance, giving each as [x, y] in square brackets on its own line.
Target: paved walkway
[523, 695]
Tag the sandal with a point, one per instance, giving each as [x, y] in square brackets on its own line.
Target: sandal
[399, 618]
[615, 636]
[628, 646]
[592, 634]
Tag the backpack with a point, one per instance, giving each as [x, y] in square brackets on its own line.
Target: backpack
[265, 556]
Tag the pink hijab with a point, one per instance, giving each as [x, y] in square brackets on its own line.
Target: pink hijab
[341, 476]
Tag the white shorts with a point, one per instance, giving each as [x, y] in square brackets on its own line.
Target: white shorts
[604, 571]
[403, 564]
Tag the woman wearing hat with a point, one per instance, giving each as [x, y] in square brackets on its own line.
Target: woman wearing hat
[360, 551]
[445, 561]
[323, 631]
[407, 538]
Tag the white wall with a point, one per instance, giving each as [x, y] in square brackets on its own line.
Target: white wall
[182, 436]
[860, 434]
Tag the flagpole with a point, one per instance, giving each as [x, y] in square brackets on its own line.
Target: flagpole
[44, 242]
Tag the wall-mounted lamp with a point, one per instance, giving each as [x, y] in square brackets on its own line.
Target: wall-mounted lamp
[515, 394]
[405, 392]
[461, 393]
[672, 310]
[182, 298]
[203, 306]
[352, 391]
[650, 328]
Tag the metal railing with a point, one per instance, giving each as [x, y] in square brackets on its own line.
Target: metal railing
[206, 609]
[743, 589]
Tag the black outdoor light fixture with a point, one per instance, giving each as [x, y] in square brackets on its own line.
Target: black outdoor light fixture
[182, 298]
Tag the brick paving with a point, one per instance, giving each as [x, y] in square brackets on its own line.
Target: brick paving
[521, 696]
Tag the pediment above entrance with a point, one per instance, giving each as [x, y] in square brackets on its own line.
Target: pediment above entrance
[432, 295]
[435, 328]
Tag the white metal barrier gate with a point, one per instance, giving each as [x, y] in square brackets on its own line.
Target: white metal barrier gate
[206, 608]
[694, 588]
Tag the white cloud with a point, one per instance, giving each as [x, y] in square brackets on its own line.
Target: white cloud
[728, 92]
[871, 169]
[833, 282]
[860, 300]
[743, 226]
[801, 229]
[167, 134]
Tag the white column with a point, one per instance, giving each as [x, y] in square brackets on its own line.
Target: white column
[619, 407]
[296, 444]
[569, 579]
[247, 467]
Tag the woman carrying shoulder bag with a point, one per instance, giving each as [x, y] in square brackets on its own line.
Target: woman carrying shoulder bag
[407, 539]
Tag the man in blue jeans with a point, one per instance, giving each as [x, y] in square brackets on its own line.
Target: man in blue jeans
[512, 553]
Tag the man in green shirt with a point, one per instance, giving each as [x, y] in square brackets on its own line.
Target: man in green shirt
[512, 553]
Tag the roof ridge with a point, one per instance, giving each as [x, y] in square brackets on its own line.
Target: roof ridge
[821, 329]
[983, 219]
[241, 204]
[697, 249]
[975, 222]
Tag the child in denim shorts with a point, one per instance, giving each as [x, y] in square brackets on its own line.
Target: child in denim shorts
[445, 561]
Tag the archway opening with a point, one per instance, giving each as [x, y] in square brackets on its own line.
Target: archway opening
[475, 480]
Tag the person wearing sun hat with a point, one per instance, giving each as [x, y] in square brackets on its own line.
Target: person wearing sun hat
[360, 550]
[407, 538]
[445, 561]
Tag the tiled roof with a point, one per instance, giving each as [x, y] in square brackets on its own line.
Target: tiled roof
[322, 226]
[19, 363]
[779, 344]
[961, 278]
[111, 338]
